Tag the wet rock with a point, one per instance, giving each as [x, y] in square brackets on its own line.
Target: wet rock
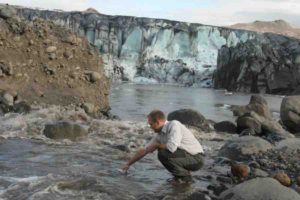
[246, 122]
[4, 108]
[242, 148]
[259, 173]
[290, 113]
[198, 195]
[260, 189]
[121, 147]
[22, 107]
[257, 104]
[298, 180]
[64, 130]
[189, 117]
[254, 164]
[248, 132]
[289, 145]
[217, 188]
[225, 126]
[270, 125]
[84, 184]
[240, 170]
[283, 178]
[225, 179]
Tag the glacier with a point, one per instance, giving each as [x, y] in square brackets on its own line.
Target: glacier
[149, 50]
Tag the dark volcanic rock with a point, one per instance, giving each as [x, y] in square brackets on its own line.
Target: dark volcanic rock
[261, 65]
[21, 107]
[225, 126]
[245, 122]
[290, 113]
[64, 130]
[256, 104]
[189, 117]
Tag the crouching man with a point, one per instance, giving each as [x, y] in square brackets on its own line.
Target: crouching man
[178, 149]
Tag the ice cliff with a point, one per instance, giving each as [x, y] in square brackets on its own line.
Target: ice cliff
[149, 50]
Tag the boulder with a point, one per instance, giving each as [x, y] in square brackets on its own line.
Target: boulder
[283, 178]
[257, 104]
[246, 122]
[64, 130]
[260, 189]
[270, 126]
[21, 107]
[289, 145]
[259, 173]
[188, 117]
[290, 113]
[225, 126]
[240, 170]
[242, 148]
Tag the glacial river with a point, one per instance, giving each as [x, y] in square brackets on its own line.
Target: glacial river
[135, 101]
[37, 168]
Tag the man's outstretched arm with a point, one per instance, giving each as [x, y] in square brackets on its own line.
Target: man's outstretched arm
[140, 154]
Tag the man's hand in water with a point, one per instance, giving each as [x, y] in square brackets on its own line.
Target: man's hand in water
[125, 168]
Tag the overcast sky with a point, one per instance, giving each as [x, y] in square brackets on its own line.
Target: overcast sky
[212, 12]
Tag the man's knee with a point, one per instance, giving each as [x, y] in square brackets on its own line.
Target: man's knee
[163, 155]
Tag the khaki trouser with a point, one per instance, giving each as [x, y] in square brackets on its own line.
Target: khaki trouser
[180, 162]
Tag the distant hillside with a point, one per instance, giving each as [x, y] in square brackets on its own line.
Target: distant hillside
[277, 26]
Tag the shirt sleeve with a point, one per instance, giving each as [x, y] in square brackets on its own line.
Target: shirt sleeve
[174, 137]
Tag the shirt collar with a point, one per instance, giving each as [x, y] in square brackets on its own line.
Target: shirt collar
[164, 128]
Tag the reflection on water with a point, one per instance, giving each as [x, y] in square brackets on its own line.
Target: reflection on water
[134, 102]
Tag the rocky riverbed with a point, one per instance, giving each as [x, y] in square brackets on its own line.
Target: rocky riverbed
[61, 152]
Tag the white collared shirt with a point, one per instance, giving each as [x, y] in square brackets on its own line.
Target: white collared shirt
[176, 135]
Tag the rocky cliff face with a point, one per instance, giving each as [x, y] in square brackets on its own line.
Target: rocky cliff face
[151, 50]
[270, 64]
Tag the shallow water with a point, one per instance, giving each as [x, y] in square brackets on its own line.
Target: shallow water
[135, 101]
[35, 167]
